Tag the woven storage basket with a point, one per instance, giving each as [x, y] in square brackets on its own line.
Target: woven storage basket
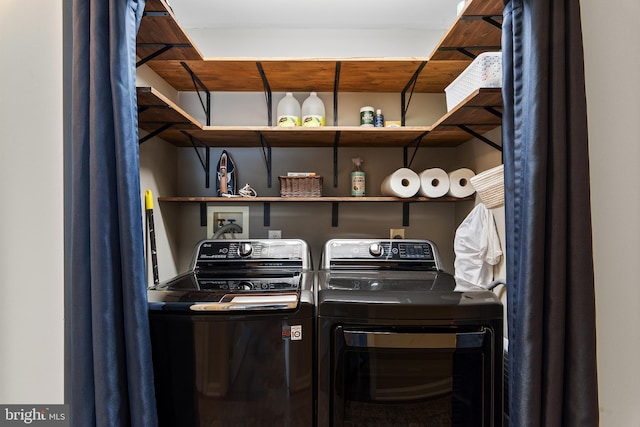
[300, 186]
[490, 186]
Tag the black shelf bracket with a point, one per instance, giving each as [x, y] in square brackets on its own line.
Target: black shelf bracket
[411, 85]
[198, 85]
[267, 94]
[266, 153]
[405, 214]
[203, 214]
[492, 21]
[481, 137]
[155, 132]
[405, 150]
[493, 111]
[489, 19]
[206, 162]
[266, 214]
[334, 214]
[336, 84]
[162, 48]
[336, 143]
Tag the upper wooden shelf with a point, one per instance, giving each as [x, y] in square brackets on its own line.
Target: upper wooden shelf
[480, 112]
[168, 50]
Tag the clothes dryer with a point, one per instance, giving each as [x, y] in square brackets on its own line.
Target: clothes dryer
[398, 346]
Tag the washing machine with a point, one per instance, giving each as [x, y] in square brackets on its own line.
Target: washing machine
[398, 346]
[233, 338]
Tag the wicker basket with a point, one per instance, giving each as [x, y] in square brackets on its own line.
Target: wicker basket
[300, 186]
[490, 186]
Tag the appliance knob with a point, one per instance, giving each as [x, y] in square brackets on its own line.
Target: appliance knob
[245, 286]
[245, 249]
[376, 249]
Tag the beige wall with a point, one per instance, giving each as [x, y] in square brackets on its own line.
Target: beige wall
[612, 59]
[31, 188]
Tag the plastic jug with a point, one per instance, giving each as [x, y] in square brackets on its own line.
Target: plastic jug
[313, 111]
[288, 111]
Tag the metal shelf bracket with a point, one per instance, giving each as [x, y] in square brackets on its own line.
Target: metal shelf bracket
[411, 84]
[266, 153]
[206, 162]
[267, 94]
[198, 85]
[480, 137]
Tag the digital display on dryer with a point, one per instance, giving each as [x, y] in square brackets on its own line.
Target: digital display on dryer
[415, 251]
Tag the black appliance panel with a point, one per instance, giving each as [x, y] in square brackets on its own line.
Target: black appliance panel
[243, 370]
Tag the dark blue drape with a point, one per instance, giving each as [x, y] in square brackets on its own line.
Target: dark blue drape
[551, 310]
[111, 378]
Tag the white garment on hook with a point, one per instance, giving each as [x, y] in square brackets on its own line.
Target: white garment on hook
[477, 249]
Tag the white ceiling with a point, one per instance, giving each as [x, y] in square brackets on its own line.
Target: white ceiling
[320, 14]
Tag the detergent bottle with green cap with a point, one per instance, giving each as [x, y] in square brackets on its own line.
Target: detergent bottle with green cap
[357, 178]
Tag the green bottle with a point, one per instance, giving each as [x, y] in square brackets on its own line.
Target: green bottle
[357, 178]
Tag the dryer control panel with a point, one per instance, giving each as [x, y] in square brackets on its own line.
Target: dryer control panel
[385, 253]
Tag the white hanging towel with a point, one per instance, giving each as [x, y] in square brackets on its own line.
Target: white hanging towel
[477, 249]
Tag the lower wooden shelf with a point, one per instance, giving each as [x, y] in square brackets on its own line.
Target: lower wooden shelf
[309, 199]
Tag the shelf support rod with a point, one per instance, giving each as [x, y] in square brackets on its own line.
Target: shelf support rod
[411, 84]
[336, 84]
[266, 153]
[197, 83]
[405, 150]
[334, 214]
[336, 142]
[267, 94]
[203, 214]
[490, 20]
[206, 163]
[405, 214]
[163, 47]
[266, 217]
[155, 132]
[480, 137]
[493, 111]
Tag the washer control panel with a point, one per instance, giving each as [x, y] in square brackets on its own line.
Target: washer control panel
[395, 252]
[255, 254]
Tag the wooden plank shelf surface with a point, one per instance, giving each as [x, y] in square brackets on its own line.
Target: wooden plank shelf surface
[156, 110]
[471, 32]
[309, 199]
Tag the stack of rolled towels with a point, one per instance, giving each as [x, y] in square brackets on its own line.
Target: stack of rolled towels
[432, 183]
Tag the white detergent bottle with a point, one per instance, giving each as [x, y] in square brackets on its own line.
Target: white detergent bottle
[288, 111]
[313, 111]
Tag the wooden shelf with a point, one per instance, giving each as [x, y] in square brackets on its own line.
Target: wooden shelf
[308, 199]
[156, 111]
[159, 30]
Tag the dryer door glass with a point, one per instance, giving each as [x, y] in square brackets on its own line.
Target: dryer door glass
[413, 377]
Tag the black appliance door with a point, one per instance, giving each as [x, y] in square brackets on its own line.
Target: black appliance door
[412, 377]
[246, 370]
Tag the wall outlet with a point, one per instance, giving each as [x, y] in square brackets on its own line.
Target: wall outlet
[396, 233]
[275, 234]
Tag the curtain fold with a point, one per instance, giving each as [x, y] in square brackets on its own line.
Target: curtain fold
[551, 308]
[111, 378]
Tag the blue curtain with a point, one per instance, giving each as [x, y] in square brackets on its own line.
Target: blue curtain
[551, 309]
[111, 375]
